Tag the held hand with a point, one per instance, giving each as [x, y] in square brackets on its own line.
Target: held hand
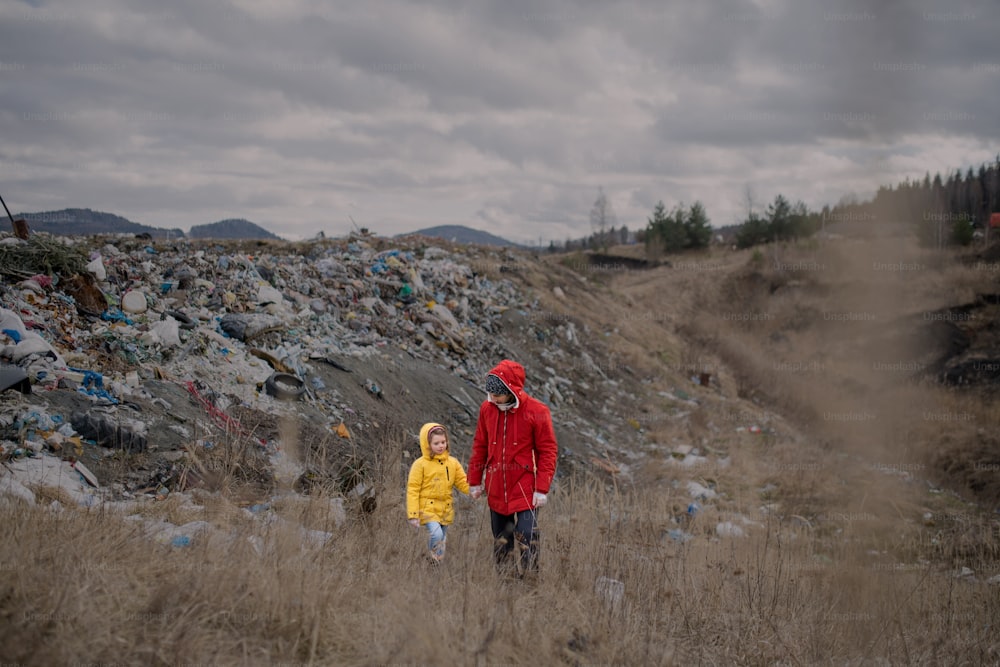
[538, 499]
[415, 523]
[476, 491]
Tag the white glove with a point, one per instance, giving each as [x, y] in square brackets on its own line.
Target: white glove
[476, 491]
[415, 523]
[538, 499]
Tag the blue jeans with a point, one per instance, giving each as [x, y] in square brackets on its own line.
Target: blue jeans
[436, 536]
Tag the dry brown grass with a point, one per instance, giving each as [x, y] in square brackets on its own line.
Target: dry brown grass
[89, 586]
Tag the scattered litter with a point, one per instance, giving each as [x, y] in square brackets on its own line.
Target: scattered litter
[729, 529]
[610, 591]
[373, 388]
[86, 474]
[700, 492]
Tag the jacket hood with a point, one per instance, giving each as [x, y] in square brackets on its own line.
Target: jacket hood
[425, 441]
[512, 375]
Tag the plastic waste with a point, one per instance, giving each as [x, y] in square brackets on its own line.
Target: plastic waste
[611, 591]
[729, 529]
[678, 535]
[13, 377]
[135, 302]
[373, 388]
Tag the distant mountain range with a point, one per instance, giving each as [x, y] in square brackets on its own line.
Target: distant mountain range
[462, 234]
[83, 221]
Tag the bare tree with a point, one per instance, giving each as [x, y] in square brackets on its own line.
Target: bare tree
[749, 198]
[602, 218]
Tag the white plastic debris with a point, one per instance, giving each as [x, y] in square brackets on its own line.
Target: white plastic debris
[9, 486]
[50, 472]
[729, 529]
[97, 268]
[610, 591]
[167, 332]
[134, 302]
[700, 491]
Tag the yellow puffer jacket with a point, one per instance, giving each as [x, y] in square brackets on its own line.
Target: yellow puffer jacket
[428, 491]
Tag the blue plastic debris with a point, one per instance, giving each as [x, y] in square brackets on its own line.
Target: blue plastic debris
[89, 377]
[115, 315]
[678, 535]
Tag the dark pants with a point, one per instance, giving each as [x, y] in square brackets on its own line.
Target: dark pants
[515, 531]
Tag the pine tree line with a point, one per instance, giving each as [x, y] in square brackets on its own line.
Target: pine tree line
[954, 210]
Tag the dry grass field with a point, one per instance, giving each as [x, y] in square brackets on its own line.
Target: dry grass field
[867, 528]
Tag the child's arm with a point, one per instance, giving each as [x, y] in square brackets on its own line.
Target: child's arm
[413, 484]
[461, 481]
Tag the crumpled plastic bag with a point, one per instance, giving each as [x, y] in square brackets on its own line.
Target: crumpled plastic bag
[242, 325]
[97, 268]
[167, 331]
[26, 342]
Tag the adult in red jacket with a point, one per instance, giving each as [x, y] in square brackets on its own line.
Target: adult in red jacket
[514, 460]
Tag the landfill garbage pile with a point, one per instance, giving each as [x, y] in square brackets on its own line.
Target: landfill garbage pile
[149, 369]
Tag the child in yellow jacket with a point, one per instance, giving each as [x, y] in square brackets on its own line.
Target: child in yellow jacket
[428, 490]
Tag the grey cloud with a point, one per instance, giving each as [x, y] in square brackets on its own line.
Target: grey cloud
[500, 113]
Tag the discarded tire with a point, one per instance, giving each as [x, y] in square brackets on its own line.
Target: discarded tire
[284, 386]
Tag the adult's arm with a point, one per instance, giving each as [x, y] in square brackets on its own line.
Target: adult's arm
[477, 460]
[546, 450]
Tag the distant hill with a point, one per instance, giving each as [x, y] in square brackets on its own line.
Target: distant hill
[233, 228]
[462, 234]
[83, 221]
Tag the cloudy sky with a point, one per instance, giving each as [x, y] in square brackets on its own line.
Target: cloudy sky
[504, 115]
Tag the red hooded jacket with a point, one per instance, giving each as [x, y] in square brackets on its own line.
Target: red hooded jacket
[514, 452]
